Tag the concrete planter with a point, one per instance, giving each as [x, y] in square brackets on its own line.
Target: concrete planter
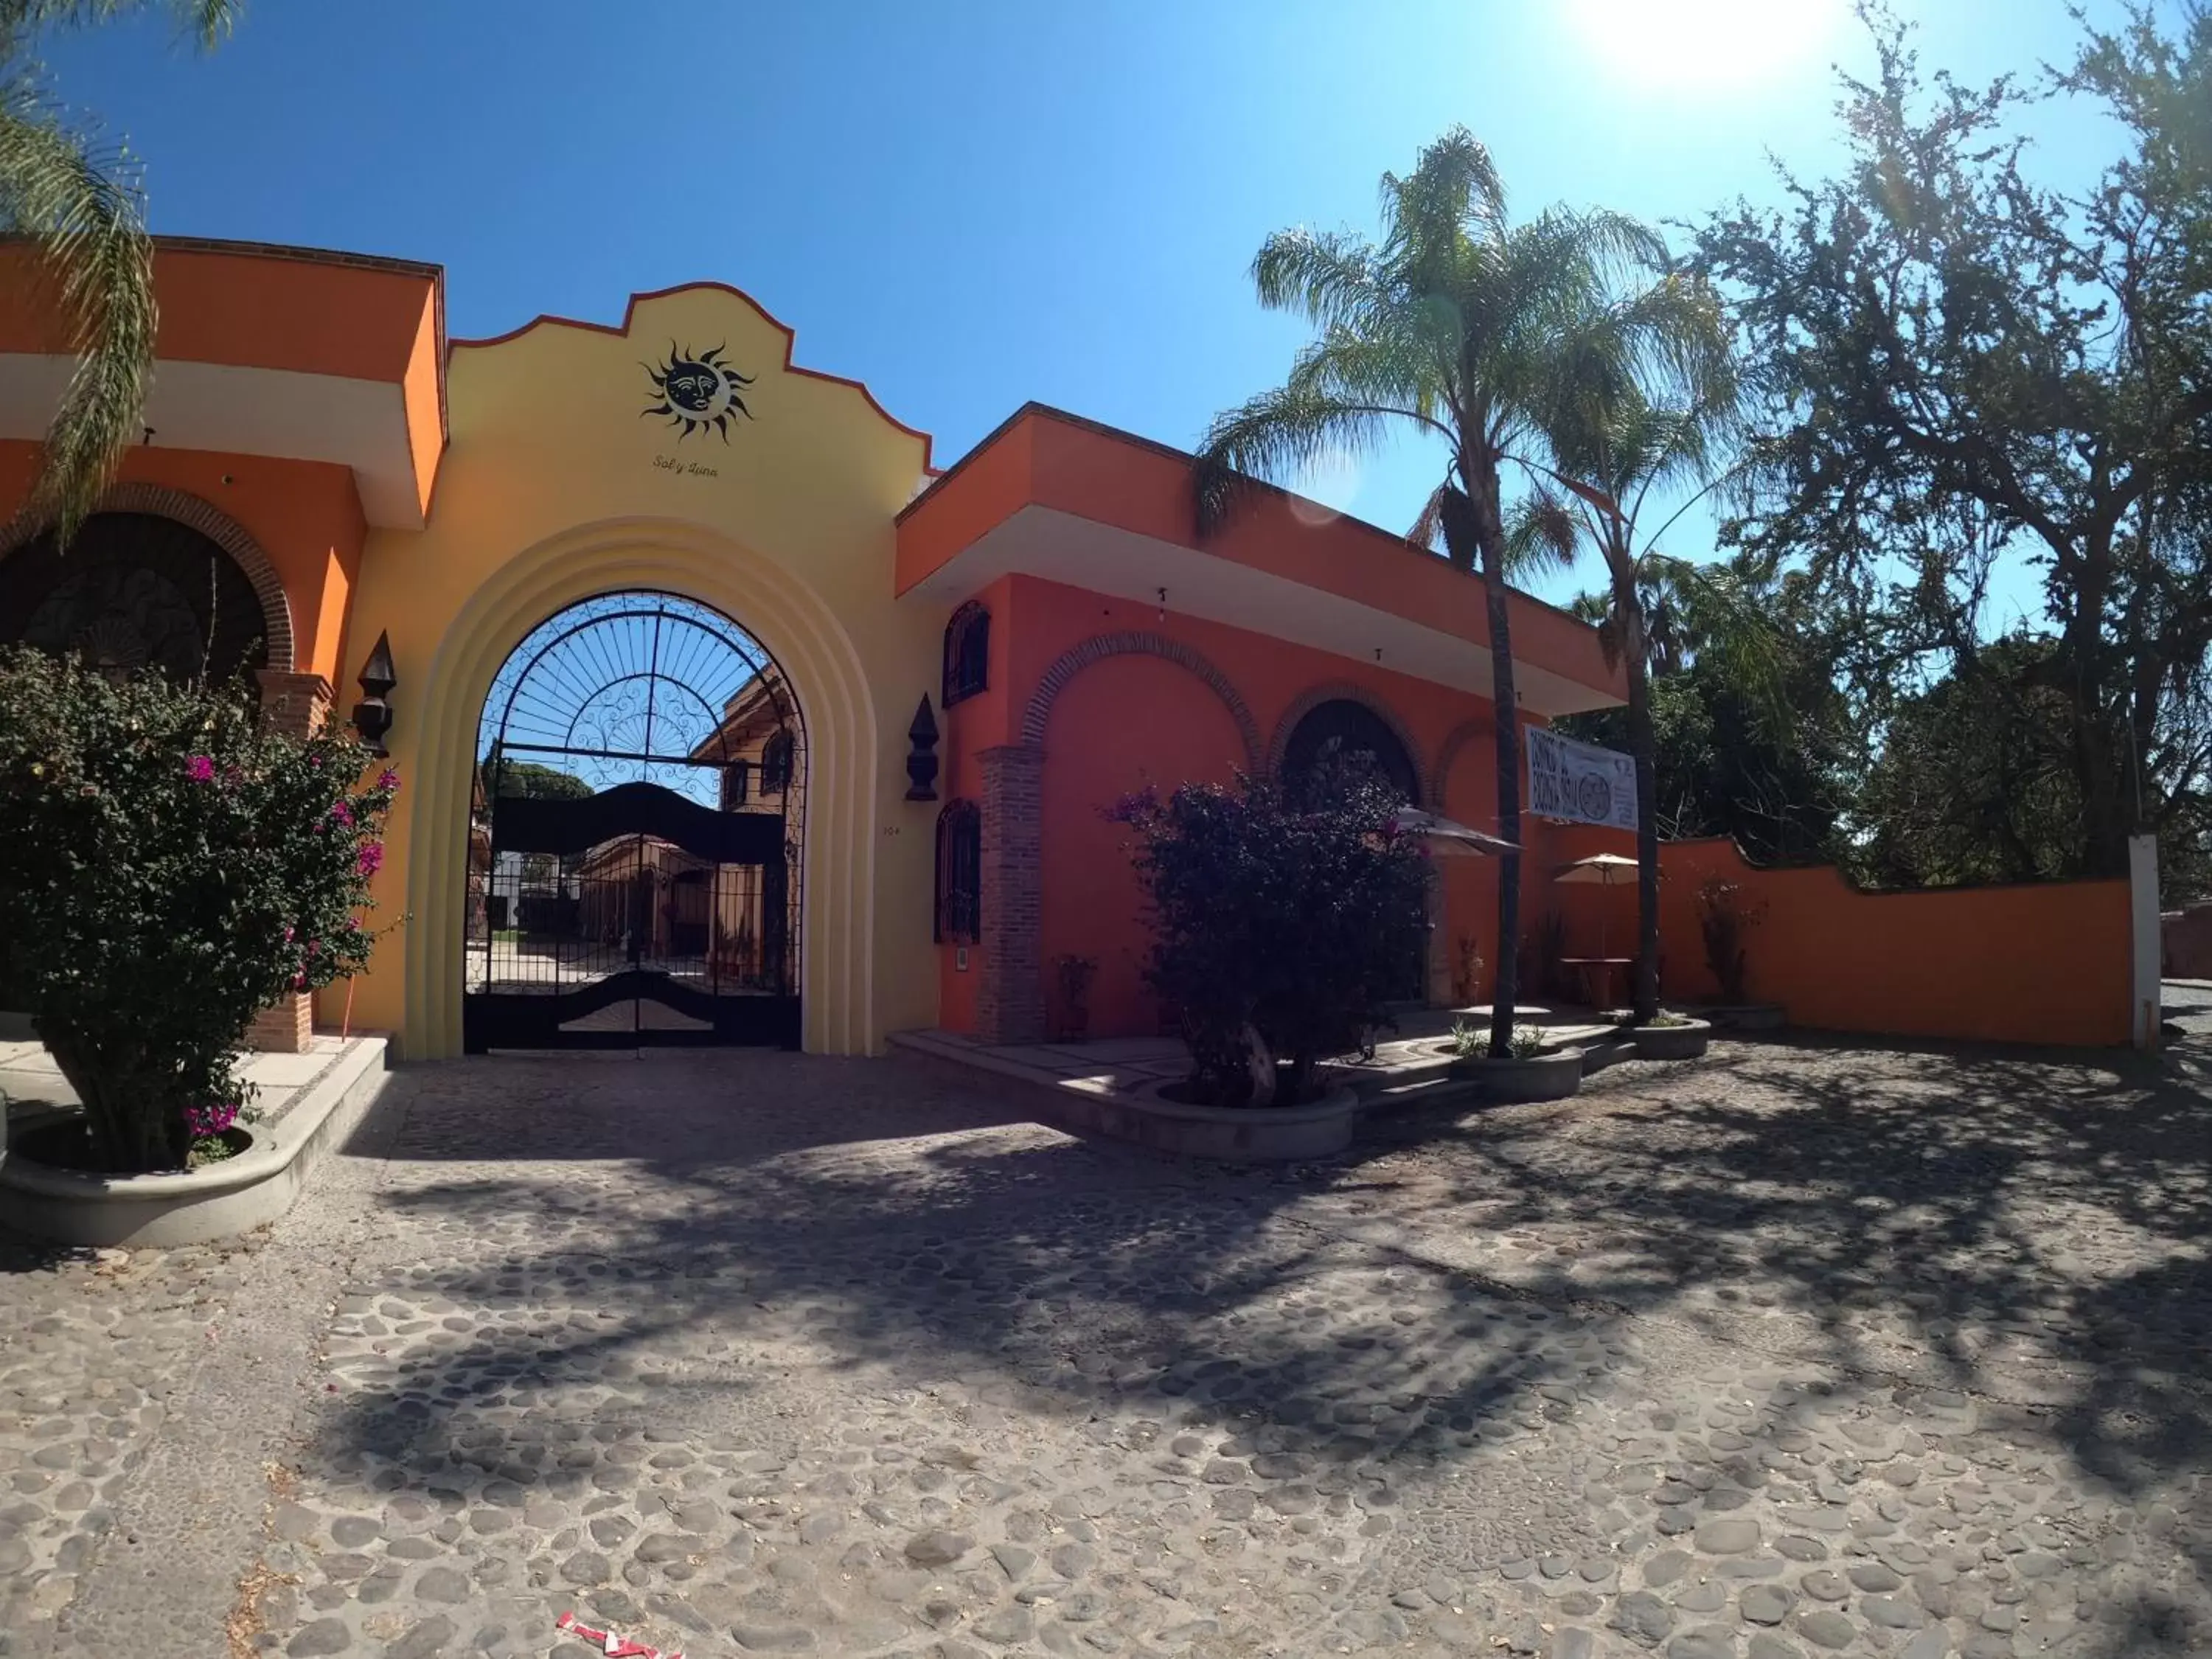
[1749, 1016]
[1539, 1076]
[1253, 1134]
[72, 1207]
[1684, 1042]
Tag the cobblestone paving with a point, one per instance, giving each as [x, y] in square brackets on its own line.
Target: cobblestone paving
[1798, 1351]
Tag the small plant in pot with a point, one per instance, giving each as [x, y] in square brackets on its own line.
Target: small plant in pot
[167, 869]
[1534, 1072]
[1282, 918]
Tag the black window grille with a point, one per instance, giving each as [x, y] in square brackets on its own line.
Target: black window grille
[775, 764]
[967, 653]
[737, 784]
[959, 873]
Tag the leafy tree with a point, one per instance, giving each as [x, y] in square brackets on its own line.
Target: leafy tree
[1975, 780]
[1464, 327]
[167, 869]
[1761, 746]
[81, 207]
[1958, 370]
[528, 780]
[1283, 919]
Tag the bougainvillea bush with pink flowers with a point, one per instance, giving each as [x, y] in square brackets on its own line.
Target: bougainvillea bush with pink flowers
[1284, 921]
[167, 869]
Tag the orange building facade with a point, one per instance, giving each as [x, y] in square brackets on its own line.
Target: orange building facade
[963, 669]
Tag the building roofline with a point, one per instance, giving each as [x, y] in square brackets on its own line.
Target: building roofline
[1138, 440]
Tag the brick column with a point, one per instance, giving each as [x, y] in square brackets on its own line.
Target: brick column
[296, 705]
[1010, 996]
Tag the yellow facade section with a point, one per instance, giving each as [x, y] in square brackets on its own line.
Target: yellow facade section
[560, 485]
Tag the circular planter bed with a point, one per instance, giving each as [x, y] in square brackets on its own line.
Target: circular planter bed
[1684, 1042]
[64, 1144]
[1319, 1128]
[1749, 1016]
[1539, 1076]
[256, 1184]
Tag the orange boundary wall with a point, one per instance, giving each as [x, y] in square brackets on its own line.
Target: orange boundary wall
[2047, 962]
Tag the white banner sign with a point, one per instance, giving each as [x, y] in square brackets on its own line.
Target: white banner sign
[1579, 781]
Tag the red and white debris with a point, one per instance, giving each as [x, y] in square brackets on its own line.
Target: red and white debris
[615, 1647]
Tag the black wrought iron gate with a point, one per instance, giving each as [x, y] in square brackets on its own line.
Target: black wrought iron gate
[610, 904]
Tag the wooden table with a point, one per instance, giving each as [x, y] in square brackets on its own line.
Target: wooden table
[1597, 977]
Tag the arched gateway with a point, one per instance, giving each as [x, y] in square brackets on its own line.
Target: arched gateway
[634, 836]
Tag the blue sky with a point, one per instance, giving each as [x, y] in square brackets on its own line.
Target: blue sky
[971, 205]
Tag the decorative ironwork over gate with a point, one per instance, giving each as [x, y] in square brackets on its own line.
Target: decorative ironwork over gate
[634, 850]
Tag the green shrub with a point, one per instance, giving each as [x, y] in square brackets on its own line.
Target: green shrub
[1282, 924]
[167, 869]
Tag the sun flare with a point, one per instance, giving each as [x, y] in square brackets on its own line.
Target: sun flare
[1705, 43]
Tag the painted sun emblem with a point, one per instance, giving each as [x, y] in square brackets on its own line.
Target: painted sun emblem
[696, 390]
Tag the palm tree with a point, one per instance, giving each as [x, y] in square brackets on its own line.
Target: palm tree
[83, 211]
[1656, 610]
[1468, 329]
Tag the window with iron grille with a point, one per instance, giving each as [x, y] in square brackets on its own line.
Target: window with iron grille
[775, 764]
[967, 653]
[959, 873]
[737, 784]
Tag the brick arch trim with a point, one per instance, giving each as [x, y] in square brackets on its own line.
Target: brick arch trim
[1465, 732]
[162, 502]
[1099, 646]
[1345, 691]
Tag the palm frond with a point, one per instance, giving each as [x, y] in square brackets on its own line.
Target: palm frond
[1542, 534]
[1453, 196]
[1276, 435]
[1333, 279]
[1384, 365]
[84, 216]
[206, 21]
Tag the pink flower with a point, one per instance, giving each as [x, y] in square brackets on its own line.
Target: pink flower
[287, 936]
[200, 769]
[370, 858]
[343, 813]
[388, 779]
[211, 1119]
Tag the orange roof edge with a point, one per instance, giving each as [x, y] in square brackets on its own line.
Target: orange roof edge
[269, 305]
[1041, 455]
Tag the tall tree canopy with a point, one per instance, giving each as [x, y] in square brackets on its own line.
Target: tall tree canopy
[1957, 370]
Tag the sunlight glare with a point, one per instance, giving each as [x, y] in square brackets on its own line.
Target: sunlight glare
[1704, 44]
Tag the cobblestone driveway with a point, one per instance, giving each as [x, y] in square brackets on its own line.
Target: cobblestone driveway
[1798, 1351]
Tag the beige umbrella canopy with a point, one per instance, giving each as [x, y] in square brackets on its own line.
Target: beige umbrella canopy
[1599, 870]
[1604, 869]
[1448, 838]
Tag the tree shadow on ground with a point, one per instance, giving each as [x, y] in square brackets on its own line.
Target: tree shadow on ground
[2025, 1230]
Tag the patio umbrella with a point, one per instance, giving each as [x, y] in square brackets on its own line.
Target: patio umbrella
[1451, 839]
[1599, 870]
